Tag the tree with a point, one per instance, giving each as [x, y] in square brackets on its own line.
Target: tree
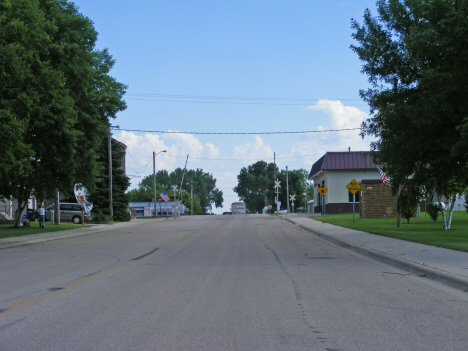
[203, 183]
[186, 200]
[120, 183]
[204, 186]
[256, 182]
[57, 98]
[408, 202]
[414, 54]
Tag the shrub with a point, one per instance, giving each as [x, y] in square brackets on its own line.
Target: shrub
[407, 204]
[433, 211]
[98, 216]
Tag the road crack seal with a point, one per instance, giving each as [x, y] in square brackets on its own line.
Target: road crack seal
[297, 293]
[146, 254]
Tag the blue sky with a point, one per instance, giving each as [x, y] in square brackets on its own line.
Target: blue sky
[233, 66]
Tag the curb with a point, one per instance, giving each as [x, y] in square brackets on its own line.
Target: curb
[67, 234]
[428, 272]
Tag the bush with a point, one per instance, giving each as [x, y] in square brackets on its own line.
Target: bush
[121, 215]
[433, 211]
[98, 216]
[407, 204]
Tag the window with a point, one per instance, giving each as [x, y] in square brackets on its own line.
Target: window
[350, 196]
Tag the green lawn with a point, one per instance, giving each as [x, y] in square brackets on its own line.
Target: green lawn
[428, 232]
[8, 230]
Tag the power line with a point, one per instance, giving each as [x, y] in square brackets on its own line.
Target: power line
[228, 99]
[120, 134]
[212, 97]
[238, 133]
[241, 159]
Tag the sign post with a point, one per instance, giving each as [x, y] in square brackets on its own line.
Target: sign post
[353, 188]
[322, 190]
[292, 198]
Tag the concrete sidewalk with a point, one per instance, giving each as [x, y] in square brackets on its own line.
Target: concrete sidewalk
[96, 228]
[444, 265]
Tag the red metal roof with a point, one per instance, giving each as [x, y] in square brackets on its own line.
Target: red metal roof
[334, 161]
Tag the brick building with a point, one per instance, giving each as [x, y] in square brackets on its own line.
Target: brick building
[376, 200]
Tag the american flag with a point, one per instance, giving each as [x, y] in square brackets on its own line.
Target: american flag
[384, 178]
[164, 196]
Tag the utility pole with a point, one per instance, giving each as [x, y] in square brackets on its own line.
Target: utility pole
[287, 188]
[154, 180]
[191, 201]
[109, 148]
[174, 189]
[274, 174]
[154, 184]
[57, 208]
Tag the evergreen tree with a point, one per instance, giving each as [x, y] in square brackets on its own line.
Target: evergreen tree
[120, 183]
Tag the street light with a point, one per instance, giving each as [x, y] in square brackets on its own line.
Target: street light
[154, 180]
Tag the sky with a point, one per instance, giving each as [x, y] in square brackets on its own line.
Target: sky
[233, 67]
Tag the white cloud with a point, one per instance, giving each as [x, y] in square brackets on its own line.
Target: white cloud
[255, 150]
[140, 152]
[213, 151]
[185, 144]
[140, 148]
[338, 117]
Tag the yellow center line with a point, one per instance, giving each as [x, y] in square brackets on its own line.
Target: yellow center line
[4, 314]
[18, 302]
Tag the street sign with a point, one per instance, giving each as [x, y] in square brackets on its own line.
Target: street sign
[322, 190]
[353, 187]
[269, 207]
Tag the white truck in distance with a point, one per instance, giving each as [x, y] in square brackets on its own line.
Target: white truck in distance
[238, 208]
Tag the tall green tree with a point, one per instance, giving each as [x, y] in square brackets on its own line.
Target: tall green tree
[414, 54]
[120, 183]
[56, 99]
[256, 185]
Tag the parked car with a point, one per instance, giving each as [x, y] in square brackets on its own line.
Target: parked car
[69, 212]
[33, 215]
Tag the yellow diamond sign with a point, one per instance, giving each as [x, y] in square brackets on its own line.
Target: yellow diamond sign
[353, 187]
[322, 190]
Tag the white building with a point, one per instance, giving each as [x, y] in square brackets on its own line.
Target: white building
[165, 209]
[335, 170]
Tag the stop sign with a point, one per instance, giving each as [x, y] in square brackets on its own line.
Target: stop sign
[269, 207]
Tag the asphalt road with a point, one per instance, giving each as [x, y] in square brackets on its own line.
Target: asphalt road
[246, 282]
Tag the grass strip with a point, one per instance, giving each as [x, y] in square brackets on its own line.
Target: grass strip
[8, 230]
[423, 232]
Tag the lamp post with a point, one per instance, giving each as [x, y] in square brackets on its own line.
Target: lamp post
[154, 180]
